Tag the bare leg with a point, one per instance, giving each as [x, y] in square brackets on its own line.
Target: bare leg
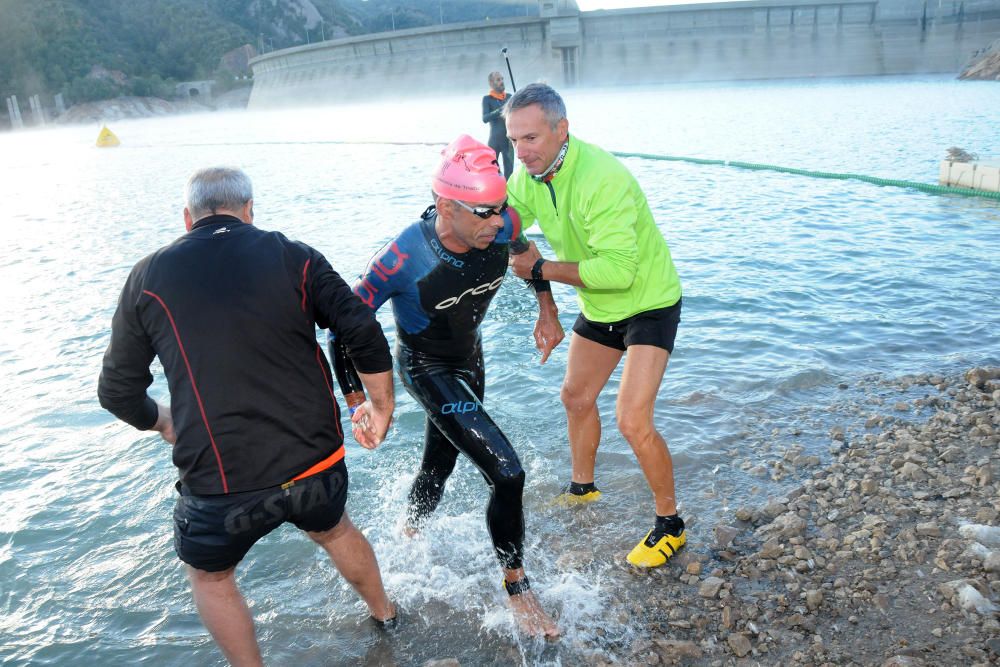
[641, 378]
[588, 368]
[528, 612]
[224, 612]
[353, 557]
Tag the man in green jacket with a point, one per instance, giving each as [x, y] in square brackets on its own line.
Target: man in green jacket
[595, 217]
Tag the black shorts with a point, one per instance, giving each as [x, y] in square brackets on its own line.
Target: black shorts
[653, 327]
[214, 533]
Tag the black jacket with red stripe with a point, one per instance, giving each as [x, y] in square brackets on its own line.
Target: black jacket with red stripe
[231, 311]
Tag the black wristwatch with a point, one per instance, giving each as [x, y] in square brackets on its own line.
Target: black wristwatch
[536, 270]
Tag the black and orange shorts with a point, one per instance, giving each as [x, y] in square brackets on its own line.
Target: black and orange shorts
[214, 533]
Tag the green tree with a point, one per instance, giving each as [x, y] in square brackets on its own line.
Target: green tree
[86, 89]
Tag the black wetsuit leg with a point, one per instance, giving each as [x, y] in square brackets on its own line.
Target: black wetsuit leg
[439, 462]
[505, 149]
[452, 393]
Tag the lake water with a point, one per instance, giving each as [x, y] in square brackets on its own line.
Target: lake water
[800, 297]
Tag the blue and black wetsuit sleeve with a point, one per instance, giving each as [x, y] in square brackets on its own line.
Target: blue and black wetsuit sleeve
[351, 321]
[341, 353]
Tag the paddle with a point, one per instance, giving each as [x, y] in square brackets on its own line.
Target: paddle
[510, 74]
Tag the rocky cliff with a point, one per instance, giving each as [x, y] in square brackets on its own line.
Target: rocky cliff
[985, 65]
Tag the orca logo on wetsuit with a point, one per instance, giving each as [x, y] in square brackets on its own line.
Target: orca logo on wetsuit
[485, 287]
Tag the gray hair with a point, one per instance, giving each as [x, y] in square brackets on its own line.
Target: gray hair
[494, 75]
[214, 188]
[544, 96]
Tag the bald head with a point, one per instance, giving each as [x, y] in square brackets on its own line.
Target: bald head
[496, 81]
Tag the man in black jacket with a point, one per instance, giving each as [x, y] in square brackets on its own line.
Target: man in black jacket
[231, 311]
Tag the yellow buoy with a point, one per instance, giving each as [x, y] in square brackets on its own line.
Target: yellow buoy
[107, 138]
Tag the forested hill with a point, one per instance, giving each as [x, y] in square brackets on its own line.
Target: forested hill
[98, 49]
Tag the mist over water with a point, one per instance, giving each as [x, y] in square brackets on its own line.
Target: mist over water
[794, 288]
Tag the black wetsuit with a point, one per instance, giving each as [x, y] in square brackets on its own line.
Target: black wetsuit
[492, 108]
[439, 299]
[231, 311]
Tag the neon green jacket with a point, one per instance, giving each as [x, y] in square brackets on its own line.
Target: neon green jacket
[594, 213]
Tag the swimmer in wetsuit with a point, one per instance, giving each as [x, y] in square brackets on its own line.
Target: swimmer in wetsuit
[441, 273]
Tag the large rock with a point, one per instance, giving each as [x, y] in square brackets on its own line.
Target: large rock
[929, 529]
[786, 525]
[965, 594]
[773, 509]
[912, 471]
[980, 376]
[771, 549]
[988, 536]
[992, 562]
[675, 650]
[724, 535]
[903, 661]
[710, 587]
[739, 644]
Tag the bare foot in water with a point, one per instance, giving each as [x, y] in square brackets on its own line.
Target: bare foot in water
[410, 531]
[531, 618]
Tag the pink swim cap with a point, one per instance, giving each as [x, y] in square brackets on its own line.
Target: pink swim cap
[469, 173]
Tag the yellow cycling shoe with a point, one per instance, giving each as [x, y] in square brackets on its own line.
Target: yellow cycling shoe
[656, 548]
[571, 497]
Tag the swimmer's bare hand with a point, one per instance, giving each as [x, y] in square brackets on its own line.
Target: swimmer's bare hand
[548, 330]
[548, 334]
[369, 425]
[361, 427]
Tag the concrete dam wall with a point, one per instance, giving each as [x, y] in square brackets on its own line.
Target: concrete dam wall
[755, 39]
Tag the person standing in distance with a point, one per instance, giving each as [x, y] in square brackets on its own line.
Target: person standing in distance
[493, 114]
[231, 311]
[595, 216]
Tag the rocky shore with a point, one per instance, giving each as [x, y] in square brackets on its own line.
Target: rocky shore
[124, 107]
[985, 65]
[889, 555]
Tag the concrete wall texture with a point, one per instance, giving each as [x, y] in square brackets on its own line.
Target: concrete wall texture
[752, 39]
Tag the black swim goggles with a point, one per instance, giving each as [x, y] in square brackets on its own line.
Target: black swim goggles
[484, 212]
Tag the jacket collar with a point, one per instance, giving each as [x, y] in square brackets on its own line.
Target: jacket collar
[216, 220]
[569, 162]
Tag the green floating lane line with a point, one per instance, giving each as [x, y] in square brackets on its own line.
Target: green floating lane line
[874, 180]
